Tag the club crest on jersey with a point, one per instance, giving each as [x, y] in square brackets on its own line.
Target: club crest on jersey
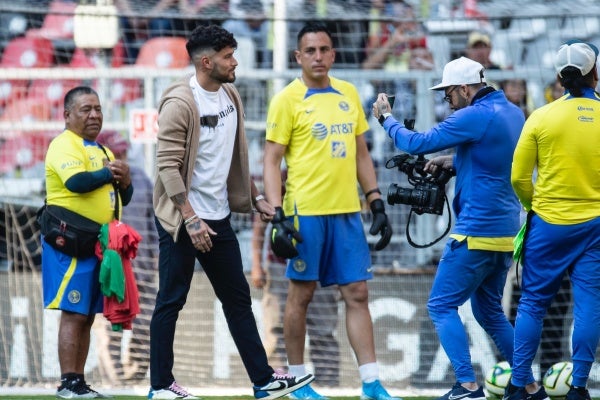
[299, 265]
[338, 149]
[74, 296]
[344, 106]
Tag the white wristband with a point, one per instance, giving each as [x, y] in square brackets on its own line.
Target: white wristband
[258, 198]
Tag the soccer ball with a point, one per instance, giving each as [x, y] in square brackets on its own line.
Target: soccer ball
[497, 378]
[558, 378]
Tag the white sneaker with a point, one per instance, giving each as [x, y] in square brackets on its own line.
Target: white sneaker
[172, 392]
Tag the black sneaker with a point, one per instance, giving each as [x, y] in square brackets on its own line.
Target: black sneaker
[539, 395]
[280, 385]
[578, 393]
[78, 389]
[513, 392]
[459, 392]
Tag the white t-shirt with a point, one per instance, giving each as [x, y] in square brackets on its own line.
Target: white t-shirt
[208, 193]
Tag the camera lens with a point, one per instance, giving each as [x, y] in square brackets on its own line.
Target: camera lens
[412, 197]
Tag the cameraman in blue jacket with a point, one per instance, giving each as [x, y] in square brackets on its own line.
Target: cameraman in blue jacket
[483, 130]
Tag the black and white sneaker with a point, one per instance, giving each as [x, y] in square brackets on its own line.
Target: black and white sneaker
[78, 389]
[459, 392]
[280, 385]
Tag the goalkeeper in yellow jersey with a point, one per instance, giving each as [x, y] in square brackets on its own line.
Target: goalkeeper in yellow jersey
[317, 124]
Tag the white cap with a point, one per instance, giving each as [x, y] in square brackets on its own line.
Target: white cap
[462, 71]
[578, 54]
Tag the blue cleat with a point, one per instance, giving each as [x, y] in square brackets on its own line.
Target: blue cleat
[306, 393]
[375, 391]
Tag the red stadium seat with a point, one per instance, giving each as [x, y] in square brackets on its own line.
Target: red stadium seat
[163, 52]
[82, 58]
[11, 90]
[125, 90]
[26, 110]
[23, 52]
[27, 52]
[24, 150]
[58, 23]
[52, 92]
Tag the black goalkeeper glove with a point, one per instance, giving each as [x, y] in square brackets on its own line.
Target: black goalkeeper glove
[281, 235]
[381, 224]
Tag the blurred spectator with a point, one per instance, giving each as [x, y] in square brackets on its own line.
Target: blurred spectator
[390, 40]
[553, 91]
[146, 19]
[479, 48]
[396, 44]
[206, 7]
[140, 215]
[203, 12]
[515, 91]
[252, 24]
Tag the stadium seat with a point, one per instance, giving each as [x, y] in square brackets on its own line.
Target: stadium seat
[23, 52]
[11, 90]
[23, 151]
[163, 52]
[26, 110]
[123, 91]
[88, 58]
[27, 52]
[82, 59]
[58, 23]
[52, 92]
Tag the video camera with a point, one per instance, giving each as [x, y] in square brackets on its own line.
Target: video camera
[429, 192]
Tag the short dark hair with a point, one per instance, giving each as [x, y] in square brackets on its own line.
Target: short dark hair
[209, 37]
[313, 27]
[76, 92]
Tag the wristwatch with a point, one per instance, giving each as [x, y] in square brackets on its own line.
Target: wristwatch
[383, 117]
[258, 198]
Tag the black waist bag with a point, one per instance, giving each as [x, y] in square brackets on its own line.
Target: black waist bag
[68, 232]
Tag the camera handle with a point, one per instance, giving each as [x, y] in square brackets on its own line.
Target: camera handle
[423, 246]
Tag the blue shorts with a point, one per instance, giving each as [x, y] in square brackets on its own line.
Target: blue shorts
[69, 283]
[334, 250]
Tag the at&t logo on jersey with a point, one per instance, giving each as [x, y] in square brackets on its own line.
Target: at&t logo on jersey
[319, 131]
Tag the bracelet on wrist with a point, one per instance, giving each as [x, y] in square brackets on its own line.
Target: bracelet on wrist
[370, 192]
[190, 219]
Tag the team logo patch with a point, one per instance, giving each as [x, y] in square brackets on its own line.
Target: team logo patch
[74, 296]
[319, 131]
[338, 150]
[344, 106]
[299, 265]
